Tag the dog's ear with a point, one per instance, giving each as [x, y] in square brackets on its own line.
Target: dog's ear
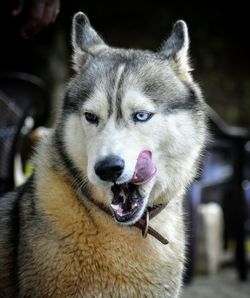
[175, 49]
[85, 40]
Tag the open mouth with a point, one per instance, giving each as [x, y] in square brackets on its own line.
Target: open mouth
[128, 203]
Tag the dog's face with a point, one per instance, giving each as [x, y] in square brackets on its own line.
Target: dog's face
[133, 121]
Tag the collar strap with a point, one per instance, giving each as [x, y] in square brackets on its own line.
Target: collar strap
[143, 223]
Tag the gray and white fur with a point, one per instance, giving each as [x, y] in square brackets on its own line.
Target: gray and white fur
[53, 240]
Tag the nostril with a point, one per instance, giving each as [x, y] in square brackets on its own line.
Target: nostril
[110, 168]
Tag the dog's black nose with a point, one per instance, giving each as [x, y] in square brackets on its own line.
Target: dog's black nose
[110, 168]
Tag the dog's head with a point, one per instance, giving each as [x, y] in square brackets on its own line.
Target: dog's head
[133, 121]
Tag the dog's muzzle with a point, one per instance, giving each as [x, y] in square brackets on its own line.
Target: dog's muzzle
[128, 202]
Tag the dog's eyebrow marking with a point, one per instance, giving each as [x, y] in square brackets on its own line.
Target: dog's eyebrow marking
[116, 93]
[188, 102]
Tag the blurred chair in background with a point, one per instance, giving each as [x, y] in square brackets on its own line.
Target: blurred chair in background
[24, 105]
[224, 179]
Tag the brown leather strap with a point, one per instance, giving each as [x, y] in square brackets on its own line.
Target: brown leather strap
[155, 210]
[143, 223]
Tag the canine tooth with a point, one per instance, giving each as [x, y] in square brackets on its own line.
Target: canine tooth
[134, 205]
[115, 207]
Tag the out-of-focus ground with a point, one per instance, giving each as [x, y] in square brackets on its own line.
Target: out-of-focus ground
[222, 285]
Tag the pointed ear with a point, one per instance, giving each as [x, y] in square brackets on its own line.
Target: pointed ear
[175, 49]
[85, 40]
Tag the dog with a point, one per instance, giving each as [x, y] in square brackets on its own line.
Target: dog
[102, 214]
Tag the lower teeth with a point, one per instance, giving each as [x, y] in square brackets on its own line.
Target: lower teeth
[120, 211]
[115, 207]
[134, 205]
[125, 199]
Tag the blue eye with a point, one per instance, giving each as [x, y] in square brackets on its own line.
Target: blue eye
[142, 116]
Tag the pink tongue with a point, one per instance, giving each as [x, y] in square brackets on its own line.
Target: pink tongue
[144, 168]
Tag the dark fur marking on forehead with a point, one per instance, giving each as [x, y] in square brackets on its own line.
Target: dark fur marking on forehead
[151, 88]
[75, 96]
[158, 93]
[110, 104]
[103, 69]
[70, 103]
[119, 95]
[130, 63]
[110, 89]
[189, 102]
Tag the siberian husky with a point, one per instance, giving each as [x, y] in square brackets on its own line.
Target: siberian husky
[102, 215]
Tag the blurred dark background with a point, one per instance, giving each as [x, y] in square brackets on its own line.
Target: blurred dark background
[219, 36]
